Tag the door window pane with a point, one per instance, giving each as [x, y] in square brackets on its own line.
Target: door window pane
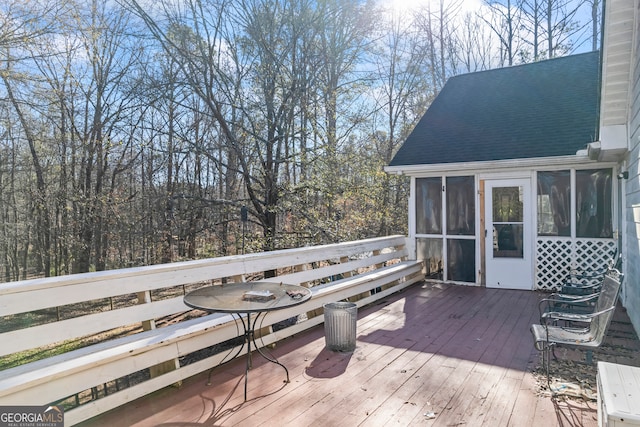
[507, 204]
[593, 203]
[507, 240]
[554, 203]
[429, 205]
[461, 206]
[508, 227]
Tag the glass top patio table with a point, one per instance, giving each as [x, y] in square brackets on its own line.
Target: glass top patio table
[238, 299]
[229, 298]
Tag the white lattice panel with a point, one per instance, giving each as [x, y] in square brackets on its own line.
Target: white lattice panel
[553, 261]
[593, 254]
[555, 258]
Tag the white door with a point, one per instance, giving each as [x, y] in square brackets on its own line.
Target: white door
[508, 219]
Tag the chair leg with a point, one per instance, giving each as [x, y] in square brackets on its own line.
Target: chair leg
[589, 357]
[548, 351]
[545, 359]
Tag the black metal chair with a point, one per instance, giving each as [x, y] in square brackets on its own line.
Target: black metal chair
[548, 334]
[564, 307]
[589, 282]
[579, 292]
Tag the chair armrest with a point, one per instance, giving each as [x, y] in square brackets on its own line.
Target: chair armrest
[601, 312]
[549, 304]
[579, 317]
[589, 316]
[580, 289]
[570, 299]
[593, 274]
[563, 298]
[582, 285]
[554, 316]
[584, 280]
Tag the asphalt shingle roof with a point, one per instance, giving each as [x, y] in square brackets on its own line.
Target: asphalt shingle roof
[542, 109]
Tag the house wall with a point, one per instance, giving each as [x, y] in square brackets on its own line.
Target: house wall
[631, 198]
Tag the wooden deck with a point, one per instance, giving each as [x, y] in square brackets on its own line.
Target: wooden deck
[434, 354]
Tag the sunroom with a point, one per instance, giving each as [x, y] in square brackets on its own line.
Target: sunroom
[504, 193]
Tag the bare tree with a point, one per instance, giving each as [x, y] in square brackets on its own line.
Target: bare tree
[595, 23]
[12, 243]
[111, 57]
[552, 27]
[561, 27]
[253, 137]
[344, 37]
[23, 24]
[438, 27]
[402, 94]
[533, 22]
[475, 44]
[505, 22]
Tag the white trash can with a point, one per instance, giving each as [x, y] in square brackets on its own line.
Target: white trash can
[340, 319]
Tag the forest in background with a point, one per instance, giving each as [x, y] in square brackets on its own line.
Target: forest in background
[138, 132]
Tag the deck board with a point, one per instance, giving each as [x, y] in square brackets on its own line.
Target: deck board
[462, 353]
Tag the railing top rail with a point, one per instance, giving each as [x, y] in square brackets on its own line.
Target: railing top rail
[334, 250]
[32, 295]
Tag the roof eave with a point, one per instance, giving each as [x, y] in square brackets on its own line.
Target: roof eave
[580, 158]
[617, 51]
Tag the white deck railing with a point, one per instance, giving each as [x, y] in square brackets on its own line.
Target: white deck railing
[109, 327]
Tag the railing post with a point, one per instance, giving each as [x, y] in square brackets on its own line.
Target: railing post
[147, 325]
[145, 298]
[342, 261]
[315, 312]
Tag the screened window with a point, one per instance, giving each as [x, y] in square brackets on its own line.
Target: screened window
[461, 210]
[461, 260]
[429, 205]
[554, 203]
[449, 251]
[593, 203]
[430, 250]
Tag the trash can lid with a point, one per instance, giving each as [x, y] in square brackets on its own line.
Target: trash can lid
[339, 305]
